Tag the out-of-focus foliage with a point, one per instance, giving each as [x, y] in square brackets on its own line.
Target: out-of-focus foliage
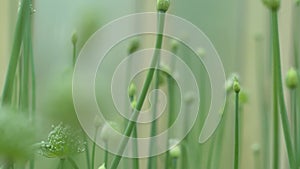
[17, 135]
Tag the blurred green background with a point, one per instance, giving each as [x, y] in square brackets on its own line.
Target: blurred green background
[231, 25]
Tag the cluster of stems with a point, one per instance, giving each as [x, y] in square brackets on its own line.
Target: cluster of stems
[279, 107]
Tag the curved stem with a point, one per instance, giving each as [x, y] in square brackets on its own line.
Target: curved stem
[131, 124]
[237, 132]
[283, 112]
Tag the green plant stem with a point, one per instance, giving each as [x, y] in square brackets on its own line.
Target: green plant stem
[283, 112]
[175, 163]
[74, 53]
[152, 160]
[263, 101]
[237, 132]
[185, 154]
[61, 163]
[295, 122]
[33, 85]
[131, 124]
[171, 104]
[24, 88]
[106, 155]
[297, 92]
[87, 153]
[210, 153]
[135, 148]
[15, 55]
[73, 163]
[94, 148]
[220, 139]
[276, 138]
[257, 161]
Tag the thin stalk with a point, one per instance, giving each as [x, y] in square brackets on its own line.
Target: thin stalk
[283, 112]
[171, 104]
[295, 122]
[94, 149]
[185, 143]
[276, 138]
[210, 153]
[32, 74]
[297, 91]
[264, 108]
[106, 155]
[171, 112]
[87, 153]
[131, 124]
[257, 161]
[237, 132]
[33, 84]
[219, 143]
[61, 163]
[276, 145]
[175, 163]
[24, 88]
[73, 163]
[185, 154]
[135, 143]
[15, 55]
[153, 159]
[74, 53]
[135, 149]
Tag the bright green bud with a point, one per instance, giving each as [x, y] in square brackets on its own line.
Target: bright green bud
[74, 38]
[272, 4]
[133, 104]
[236, 86]
[132, 90]
[134, 46]
[175, 152]
[292, 79]
[229, 82]
[163, 5]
